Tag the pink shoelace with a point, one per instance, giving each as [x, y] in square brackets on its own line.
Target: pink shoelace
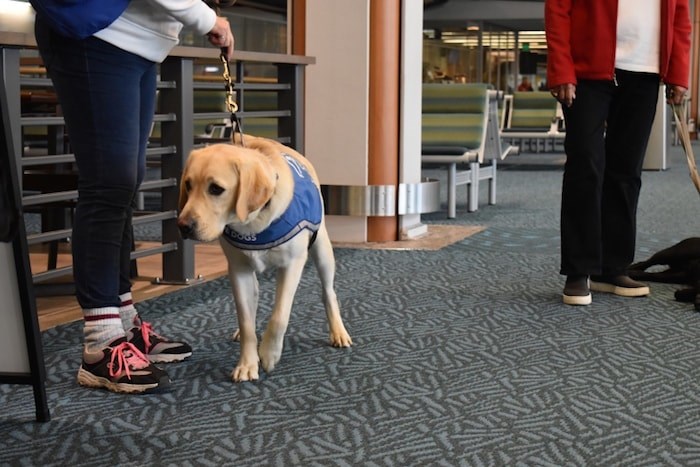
[146, 332]
[127, 357]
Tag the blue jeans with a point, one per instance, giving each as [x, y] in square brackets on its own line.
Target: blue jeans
[107, 97]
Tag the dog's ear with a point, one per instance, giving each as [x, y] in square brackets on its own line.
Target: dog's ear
[183, 193]
[256, 184]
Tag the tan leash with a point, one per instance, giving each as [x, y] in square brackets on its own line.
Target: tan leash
[679, 111]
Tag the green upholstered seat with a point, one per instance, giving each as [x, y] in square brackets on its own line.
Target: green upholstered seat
[454, 132]
[454, 98]
[533, 118]
[454, 119]
[532, 111]
[462, 130]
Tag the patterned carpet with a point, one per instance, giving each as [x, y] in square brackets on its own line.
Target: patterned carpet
[461, 356]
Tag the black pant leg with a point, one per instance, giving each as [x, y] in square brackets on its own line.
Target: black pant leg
[581, 251]
[631, 117]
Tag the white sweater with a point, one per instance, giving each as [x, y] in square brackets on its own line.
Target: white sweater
[150, 28]
[638, 35]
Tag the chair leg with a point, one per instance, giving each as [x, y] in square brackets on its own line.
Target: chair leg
[452, 191]
[492, 182]
[473, 187]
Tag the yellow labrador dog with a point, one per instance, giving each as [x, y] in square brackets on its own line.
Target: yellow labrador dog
[263, 202]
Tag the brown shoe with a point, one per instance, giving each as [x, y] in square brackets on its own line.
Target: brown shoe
[621, 285]
[577, 291]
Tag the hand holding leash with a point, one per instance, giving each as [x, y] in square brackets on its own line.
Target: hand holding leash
[221, 36]
[675, 94]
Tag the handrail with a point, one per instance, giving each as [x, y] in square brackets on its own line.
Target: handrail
[27, 40]
[242, 55]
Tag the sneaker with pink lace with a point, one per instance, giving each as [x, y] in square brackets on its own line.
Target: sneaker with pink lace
[121, 367]
[155, 347]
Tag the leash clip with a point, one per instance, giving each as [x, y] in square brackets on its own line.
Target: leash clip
[231, 105]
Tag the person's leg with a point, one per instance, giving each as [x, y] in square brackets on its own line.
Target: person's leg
[157, 348]
[97, 86]
[631, 117]
[583, 178]
[147, 99]
[98, 91]
[581, 189]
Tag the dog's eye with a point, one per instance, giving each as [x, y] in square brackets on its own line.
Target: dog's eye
[215, 190]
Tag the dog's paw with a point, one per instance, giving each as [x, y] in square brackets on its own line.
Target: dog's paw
[270, 352]
[340, 338]
[236, 336]
[685, 295]
[245, 373]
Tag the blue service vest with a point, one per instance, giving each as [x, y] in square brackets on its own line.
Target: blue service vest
[304, 212]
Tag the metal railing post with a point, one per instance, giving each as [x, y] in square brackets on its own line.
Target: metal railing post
[292, 99]
[178, 265]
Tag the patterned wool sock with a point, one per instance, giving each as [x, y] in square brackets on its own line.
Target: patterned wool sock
[127, 311]
[102, 326]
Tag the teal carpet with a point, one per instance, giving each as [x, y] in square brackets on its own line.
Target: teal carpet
[462, 356]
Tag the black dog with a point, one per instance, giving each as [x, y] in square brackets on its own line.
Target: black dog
[683, 261]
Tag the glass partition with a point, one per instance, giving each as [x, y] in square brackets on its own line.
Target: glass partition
[480, 52]
[256, 29]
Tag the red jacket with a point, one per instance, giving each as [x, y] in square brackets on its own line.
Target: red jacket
[581, 40]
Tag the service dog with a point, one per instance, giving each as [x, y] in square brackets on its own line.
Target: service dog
[263, 202]
[683, 267]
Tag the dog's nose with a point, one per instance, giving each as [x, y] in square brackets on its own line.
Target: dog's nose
[186, 227]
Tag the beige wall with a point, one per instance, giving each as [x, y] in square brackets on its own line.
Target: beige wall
[337, 93]
[337, 90]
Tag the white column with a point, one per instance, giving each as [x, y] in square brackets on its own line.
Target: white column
[655, 158]
[410, 120]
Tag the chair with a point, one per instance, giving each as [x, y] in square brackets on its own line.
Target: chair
[533, 116]
[459, 126]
